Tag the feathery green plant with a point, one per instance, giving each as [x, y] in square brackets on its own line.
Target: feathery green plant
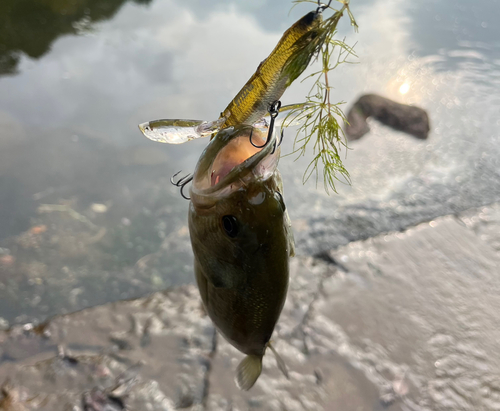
[319, 117]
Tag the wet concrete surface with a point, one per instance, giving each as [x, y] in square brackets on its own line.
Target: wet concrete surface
[405, 320]
[69, 137]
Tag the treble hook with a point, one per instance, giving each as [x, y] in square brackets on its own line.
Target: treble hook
[183, 181]
[322, 7]
[281, 137]
[279, 142]
[274, 110]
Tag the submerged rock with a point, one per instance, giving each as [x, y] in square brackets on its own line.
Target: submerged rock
[409, 119]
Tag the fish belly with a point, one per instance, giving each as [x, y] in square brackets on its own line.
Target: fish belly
[246, 319]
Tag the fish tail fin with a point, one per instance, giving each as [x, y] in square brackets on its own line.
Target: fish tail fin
[279, 361]
[248, 371]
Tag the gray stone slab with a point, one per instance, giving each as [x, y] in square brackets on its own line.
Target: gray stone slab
[485, 222]
[159, 346]
[403, 321]
[425, 304]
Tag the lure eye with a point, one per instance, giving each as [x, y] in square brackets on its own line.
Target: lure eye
[230, 225]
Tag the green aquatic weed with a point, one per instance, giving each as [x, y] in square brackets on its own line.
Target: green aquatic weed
[319, 116]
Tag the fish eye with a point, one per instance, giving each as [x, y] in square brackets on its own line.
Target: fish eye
[230, 225]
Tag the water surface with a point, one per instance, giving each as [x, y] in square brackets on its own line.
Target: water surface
[87, 214]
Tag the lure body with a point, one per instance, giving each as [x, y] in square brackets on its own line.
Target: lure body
[270, 80]
[252, 103]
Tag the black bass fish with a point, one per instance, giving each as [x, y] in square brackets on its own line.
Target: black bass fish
[241, 238]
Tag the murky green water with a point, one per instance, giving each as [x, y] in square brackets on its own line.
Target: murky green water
[87, 214]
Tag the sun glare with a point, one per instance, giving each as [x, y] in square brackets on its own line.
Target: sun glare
[404, 88]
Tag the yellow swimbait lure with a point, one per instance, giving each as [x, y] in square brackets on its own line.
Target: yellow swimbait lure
[290, 57]
[271, 79]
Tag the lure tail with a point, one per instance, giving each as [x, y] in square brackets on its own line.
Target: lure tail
[248, 371]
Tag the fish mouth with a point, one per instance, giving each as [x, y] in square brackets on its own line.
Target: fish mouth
[235, 157]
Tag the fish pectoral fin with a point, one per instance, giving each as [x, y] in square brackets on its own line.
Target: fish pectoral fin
[220, 282]
[248, 371]
[289, 235]
[217, 273]
[279, 361]
[219, 278]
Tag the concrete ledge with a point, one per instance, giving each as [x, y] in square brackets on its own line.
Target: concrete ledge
[405, 320]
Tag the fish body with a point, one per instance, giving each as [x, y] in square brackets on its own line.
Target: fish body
[241, 239]
[271, 78]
